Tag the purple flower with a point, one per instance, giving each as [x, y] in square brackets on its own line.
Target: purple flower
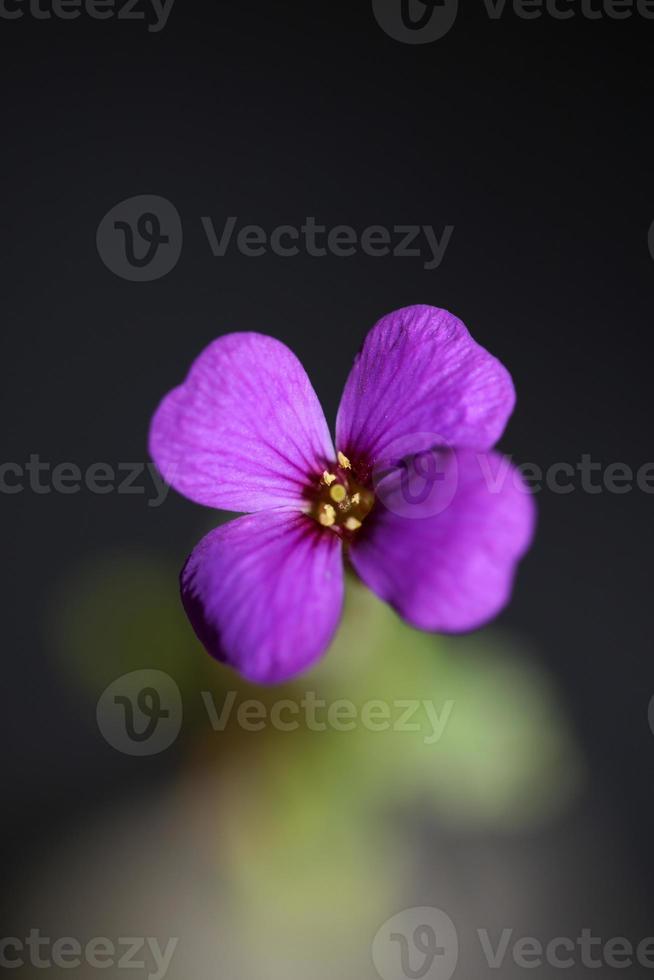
[437, 537]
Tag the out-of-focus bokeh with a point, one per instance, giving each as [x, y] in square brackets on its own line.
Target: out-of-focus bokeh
[287, 846]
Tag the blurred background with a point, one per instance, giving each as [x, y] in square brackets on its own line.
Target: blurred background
[277, 853]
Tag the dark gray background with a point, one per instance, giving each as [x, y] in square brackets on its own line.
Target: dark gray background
[532, 138]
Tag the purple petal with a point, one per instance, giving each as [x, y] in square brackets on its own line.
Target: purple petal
[447, 562]
[421, 380]
[264, 593]
[245, 431]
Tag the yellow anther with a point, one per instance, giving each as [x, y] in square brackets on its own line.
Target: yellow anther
[352, 524]
[328, 478]
[337, 493]
[344, 462]
[327, 516]
[356, 498]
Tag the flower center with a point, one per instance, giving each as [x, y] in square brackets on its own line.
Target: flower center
[341, 503]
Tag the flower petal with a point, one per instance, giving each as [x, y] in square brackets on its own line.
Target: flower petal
[449, 566]
[264, 593]
[245, 431]
[419, 377]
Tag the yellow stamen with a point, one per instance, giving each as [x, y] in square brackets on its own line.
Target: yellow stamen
[337, 493]
[327, 516]
[356, 498]
[352, 524]
[328, 478]
[344, 462]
